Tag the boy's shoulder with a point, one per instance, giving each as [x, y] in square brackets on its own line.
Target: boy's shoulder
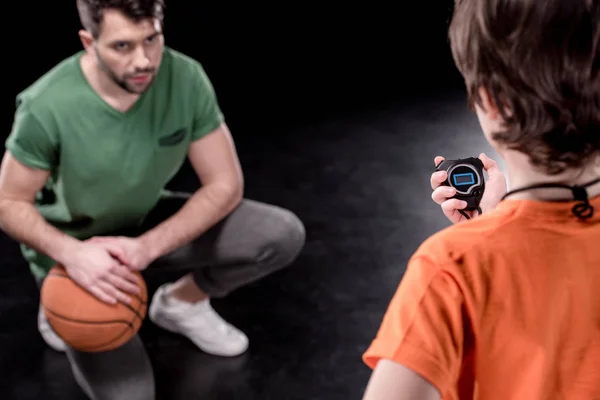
[479, 237]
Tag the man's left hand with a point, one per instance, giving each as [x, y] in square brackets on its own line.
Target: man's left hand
[129, 251]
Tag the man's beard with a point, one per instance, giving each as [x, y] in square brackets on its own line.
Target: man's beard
[122, 82]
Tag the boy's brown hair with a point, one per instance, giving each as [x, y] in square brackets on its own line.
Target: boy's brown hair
[539, 61]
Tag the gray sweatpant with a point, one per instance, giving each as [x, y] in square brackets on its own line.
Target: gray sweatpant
[255, 240]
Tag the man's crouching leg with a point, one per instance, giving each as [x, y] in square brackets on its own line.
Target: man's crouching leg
[255, 240]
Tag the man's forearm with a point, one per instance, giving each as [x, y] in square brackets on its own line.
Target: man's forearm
[22, 221]
[204, 209]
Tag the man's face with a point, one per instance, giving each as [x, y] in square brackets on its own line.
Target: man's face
[129, 53]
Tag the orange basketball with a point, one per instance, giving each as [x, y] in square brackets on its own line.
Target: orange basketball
[86, 323]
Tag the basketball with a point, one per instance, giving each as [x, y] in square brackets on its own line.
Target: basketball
[83, 321]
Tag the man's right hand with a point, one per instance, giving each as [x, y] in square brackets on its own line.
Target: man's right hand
[495, 189]
[98, 270]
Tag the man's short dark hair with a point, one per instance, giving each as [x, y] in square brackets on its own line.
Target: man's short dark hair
[539, 61]
[91, 12]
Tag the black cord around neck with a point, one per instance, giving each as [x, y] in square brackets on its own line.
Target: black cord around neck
[582, 210]
[464, 214]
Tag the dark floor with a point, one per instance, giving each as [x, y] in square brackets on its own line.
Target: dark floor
[361, 186]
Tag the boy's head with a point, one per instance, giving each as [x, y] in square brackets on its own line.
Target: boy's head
[532, 71]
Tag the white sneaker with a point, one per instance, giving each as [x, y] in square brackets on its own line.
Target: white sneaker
[198, 322]
[48, 334]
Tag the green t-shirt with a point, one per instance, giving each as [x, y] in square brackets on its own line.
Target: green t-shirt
[108, 168]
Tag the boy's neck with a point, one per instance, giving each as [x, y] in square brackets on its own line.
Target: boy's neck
[522, 174]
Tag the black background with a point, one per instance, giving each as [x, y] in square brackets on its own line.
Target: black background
[292, 64]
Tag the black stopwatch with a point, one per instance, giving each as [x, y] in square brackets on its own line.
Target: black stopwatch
[466, 176]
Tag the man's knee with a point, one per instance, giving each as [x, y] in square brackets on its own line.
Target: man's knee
[283, 240]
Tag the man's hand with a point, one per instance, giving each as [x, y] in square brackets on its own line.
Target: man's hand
[129, 251]
[97, 269]
[495, 189]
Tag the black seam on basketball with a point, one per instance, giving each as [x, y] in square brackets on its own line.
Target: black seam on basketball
[134, 311]
[114, 321]
[128, 326]
[137, 296]
[139, 312]
[118, 337]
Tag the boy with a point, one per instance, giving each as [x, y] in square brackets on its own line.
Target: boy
[507, 304]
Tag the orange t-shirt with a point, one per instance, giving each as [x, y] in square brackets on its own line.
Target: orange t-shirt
[504, 306]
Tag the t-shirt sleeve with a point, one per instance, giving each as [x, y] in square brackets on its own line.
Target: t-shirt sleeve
[30, 143]
[207, 114]
[424, 325]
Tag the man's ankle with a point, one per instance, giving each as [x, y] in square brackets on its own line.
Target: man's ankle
[186, 290]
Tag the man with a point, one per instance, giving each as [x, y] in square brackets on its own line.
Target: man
[93, 145]
[505, 305]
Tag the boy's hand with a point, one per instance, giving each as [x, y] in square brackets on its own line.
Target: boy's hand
[495, 189]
